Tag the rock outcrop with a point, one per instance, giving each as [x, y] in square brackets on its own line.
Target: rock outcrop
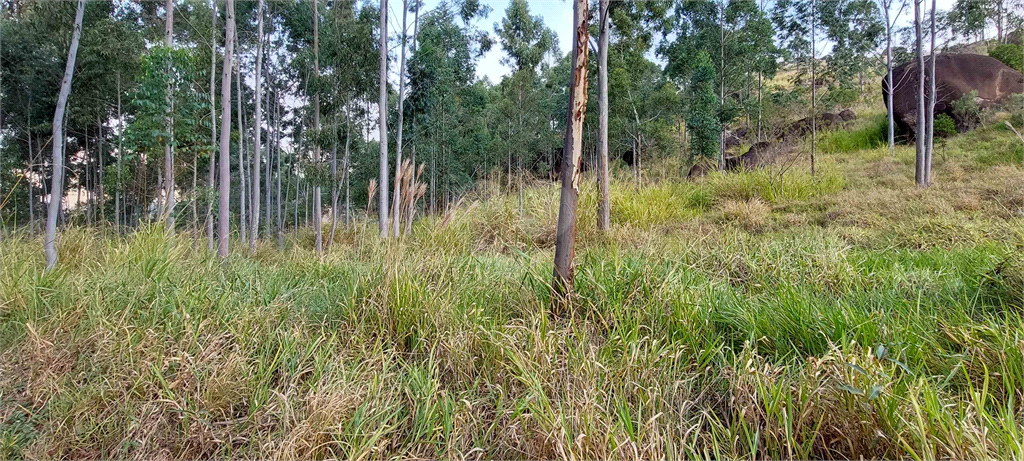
[955, 76]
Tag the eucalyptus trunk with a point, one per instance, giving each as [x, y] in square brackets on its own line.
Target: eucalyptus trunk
[318, 215]
[382, 103]
[814, 83]
[168, 144]
[257, 128]
[396, 205]
[565, 237]
[920, 134]
[930, 143]
[211, 174]
[224, 164]
[243, 191]
[604, 205]
[891, 129]
[57, 188]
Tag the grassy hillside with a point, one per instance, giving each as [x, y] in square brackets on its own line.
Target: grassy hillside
[748, 315]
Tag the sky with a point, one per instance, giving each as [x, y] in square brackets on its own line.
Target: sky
[557, 15]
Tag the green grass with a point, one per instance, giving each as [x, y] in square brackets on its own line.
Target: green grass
[752, 315]
[870, 134]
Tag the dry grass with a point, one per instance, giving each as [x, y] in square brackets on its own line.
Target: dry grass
[751, 315]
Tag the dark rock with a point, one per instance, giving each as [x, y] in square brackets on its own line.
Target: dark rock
[955, 75]
[759, 155]
[701, 168]
[828, 119]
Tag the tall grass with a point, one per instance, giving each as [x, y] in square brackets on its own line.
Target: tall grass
[736, 317]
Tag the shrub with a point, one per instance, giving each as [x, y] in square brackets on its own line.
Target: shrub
[1010, 54]
[967, 111]
[944, 126]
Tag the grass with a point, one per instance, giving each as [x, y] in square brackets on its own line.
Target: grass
[751, 315]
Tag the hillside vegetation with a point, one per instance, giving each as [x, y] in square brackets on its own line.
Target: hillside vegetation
[748, 315]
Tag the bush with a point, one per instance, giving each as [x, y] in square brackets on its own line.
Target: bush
[1010, 54]
[967, 111]
[944, 126]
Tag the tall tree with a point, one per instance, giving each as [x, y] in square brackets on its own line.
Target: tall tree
[565, 236]
[169, 188]
[396, 205]
[213, 123]
[57, 185]
[920, 134]
[382, 103]
[254, 224]
[224, 162]
[890, 23]
[317, 213]
[930, 145]
[604, 201]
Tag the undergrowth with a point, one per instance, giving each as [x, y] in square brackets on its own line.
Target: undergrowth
[753, 315]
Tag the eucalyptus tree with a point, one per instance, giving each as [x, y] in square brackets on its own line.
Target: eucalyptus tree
[254, 223]
[604, 205]
[57, 187]
[565, 236]
[169, 186]
[526, 41]
[930, 111]
[382, 121]
[854, 28]
[213, 122]
[740, 35]
[890, 23]
[223, 162]
[920, 169]
[442, 98]
[396, 205]
[798, 22]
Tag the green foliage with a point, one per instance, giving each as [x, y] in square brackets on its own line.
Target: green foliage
[838, 98]
[966, 110]
[1010, 54]
[944, 126]
[701, 118]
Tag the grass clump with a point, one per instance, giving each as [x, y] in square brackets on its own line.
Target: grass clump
[870, 136]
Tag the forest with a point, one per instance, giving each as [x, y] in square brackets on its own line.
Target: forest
[511, 229]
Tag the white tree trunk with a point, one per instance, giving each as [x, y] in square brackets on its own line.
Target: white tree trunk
[396, 205]
[243, 195]
[317, 213]
[224, 162]
[169, 181]
[257, 128]
[211, 174]
[382, 103]
[57, 187]
[919, 135]
[930, 142]
[604, 201]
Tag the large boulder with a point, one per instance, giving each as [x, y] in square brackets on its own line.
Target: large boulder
[955, 75]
